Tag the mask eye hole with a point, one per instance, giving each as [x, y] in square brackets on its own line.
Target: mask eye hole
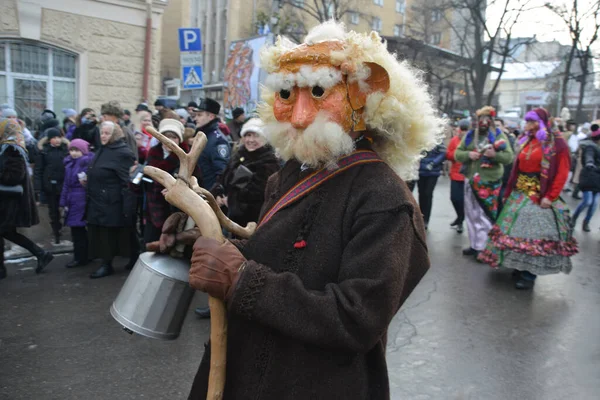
[285, 94]
[317, 92]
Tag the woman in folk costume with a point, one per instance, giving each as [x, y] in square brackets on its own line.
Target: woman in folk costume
[484, 151]
[532, 234]
[340, 243]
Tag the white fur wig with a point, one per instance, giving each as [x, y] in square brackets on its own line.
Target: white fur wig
[403, 121]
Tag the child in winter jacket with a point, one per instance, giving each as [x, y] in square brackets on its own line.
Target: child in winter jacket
[73, 197]
[50, 173]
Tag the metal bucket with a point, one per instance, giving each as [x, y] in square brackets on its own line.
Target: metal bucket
[155, 298]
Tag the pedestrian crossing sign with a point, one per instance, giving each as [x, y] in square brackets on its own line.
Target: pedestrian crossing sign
[192, 77]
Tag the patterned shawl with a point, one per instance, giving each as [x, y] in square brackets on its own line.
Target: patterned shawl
[11, 135]
[553, 145]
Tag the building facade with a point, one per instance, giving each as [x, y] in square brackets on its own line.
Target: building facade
[533, 77]
[224, 21]
[77, 53]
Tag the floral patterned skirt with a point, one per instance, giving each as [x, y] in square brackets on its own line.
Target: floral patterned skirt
[527, 237]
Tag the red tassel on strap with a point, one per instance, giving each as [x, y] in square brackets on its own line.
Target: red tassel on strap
[300, 245]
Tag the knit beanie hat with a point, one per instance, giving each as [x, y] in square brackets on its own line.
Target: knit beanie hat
[182, 113]
[47, 115]
[80, 145]
[49, 123]
[237, 112]
[142, 107]
[69, 112]
[171, 125]
[52, 133]
[253, 125]
[464, 124]
[9, 112]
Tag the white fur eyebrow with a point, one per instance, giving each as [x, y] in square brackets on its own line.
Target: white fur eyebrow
[307, 76]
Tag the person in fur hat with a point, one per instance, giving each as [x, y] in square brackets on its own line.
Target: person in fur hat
[340, 243]
[113, 112]
[483, 152]
[50, 174]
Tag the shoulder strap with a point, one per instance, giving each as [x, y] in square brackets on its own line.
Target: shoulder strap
[316, 179]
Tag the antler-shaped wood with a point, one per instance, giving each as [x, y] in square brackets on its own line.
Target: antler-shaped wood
[180, 194]
[238, 230]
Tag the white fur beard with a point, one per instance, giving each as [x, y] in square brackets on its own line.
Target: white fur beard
[319, 145]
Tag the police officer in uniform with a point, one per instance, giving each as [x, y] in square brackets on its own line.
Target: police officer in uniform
[215, 156]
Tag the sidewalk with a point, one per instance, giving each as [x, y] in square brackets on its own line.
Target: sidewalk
[41, 234]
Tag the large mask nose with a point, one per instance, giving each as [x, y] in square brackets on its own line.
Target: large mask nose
[305, 109]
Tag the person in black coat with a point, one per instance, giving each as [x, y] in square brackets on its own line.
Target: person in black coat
[589, 179]
[50, 174]
[110, 203]
[17, 210]
[241, 188]
[216, 154]
[87, 128]
[430, 170]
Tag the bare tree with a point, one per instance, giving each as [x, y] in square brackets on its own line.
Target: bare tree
[289, 24]
[293, 17]
[583, 25]
[322, 10]
[484, 43]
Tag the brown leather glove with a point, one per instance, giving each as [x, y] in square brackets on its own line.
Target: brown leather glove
[216, 267]
[172, 234]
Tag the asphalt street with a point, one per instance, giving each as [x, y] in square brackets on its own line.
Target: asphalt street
[465, 333]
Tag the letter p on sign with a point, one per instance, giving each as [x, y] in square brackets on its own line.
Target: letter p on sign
[189, 39]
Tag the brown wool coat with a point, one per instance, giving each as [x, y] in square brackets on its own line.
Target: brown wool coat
[312, 323]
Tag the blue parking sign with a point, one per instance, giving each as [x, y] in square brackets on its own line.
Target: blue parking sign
[189, 39]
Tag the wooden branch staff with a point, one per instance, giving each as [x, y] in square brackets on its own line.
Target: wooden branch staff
[185, 194]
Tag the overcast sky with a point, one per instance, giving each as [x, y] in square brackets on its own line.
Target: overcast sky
[539, 21]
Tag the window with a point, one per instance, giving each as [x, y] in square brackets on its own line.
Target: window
[436, 15]
[400, 6]
[64, 64]
[376, 24]
[2, 58]
[171, 91]
[29, 59]
[64, 95]
[354, 18]
[436, 38]
[34, 77]
[3, 95]
[398, 30]
[378, 2]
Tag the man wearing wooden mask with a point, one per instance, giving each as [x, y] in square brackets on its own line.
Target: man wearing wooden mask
[341, 242]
